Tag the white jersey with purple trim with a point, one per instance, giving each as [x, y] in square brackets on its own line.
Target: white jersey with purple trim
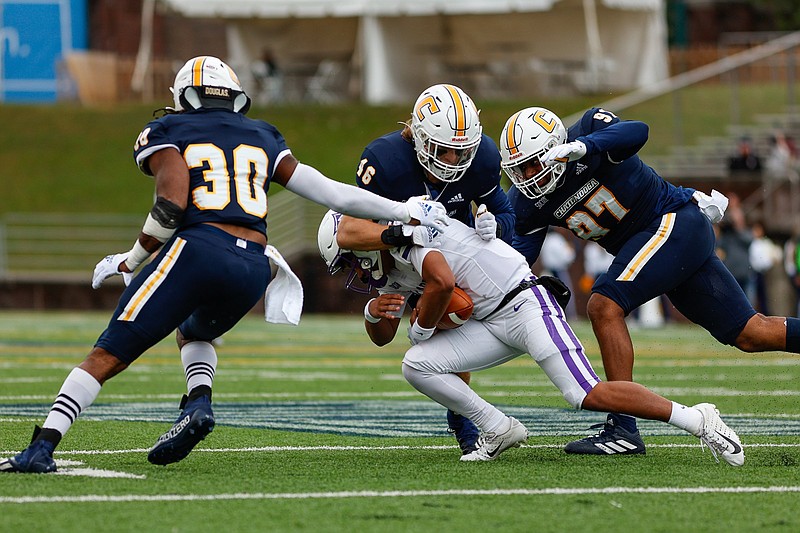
[485, 270]
[531, 322]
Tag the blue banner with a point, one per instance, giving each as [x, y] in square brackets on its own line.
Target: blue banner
[34, 36]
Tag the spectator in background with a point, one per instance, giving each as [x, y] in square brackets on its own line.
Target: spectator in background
[745, 157]
[763, 254]
[781, 162]
[595, 262]
[557, 255]
[269, 78]
[791, 264]
[733, 242]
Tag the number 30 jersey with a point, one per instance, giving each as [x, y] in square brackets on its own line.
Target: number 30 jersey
[607, 196]
[231, 160]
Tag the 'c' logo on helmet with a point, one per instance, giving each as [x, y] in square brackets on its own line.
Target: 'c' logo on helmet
[428, 102]
[540, 117]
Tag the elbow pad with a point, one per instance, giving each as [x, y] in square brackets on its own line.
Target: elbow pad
[163, 219]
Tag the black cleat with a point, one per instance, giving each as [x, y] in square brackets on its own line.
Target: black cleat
[611, 440]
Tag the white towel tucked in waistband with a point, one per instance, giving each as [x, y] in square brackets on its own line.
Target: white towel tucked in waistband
[283, 301]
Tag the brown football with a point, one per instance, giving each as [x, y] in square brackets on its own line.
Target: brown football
[458, 310]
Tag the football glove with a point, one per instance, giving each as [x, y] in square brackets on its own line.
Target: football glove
[714, 206]
[485, 224]
[427, 212]
[564, 153]
[109, 266]
[423, 236]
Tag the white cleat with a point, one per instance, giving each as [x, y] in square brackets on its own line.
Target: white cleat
[490, 445]
[721, 439]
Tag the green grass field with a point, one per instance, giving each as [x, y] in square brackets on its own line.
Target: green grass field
[317, 430]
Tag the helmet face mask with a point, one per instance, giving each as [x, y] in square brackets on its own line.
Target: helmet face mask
[527, 136]
[207, 82]
[446, 131]
[364, 269]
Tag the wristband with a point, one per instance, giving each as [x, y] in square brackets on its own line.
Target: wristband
[136, 256]
[394, 236]
[418, 333]
[368, 316]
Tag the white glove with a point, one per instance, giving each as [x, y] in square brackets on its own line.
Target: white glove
[417, 333]
[428, 213]
[485, 224]
[109, 266]
[564, 153]
[423, 236]
[714, 206]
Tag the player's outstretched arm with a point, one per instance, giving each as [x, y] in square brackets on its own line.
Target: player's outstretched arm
[311, 184]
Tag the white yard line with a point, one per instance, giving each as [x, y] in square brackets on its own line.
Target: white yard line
[364, 448]
[557, 491]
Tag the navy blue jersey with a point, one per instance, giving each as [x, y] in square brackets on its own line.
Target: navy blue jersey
[231, 160]
[607, 196]
[389, 168]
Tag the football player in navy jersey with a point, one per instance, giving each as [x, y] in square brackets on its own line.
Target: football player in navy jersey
[212, 167]
[590, 181]
[442, 153]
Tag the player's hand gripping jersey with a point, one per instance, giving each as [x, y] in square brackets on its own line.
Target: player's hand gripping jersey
[608, 195]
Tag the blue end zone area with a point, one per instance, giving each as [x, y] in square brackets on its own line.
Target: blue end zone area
[386, 418]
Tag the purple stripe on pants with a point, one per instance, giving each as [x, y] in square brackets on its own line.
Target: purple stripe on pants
[548, 305]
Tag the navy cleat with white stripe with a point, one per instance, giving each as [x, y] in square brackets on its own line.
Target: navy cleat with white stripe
[196, 421]
[37, 458]
[612, 439]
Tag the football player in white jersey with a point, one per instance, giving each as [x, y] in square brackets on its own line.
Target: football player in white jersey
[514, 313]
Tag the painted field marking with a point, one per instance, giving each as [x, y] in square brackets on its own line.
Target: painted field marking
[67, 467]
[557, 491]
[268, 449]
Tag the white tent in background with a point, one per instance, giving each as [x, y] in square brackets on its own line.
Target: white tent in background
[388, 50]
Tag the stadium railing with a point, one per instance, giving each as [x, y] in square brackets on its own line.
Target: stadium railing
[65, 247]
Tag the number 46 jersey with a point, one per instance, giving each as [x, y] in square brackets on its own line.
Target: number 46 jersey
[607, 196]
[231, 160]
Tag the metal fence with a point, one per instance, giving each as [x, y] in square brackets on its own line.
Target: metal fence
[66, 246]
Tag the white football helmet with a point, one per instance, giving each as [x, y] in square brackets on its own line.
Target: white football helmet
[446, 130]
[366, 268]
[526, 137]
[206, 81]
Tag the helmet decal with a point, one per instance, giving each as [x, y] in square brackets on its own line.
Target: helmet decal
[206, 81]
[528, 134]
[459, 123]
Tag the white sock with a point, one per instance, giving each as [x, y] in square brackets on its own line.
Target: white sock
[199, 364]
[77, 393]
[686, 418]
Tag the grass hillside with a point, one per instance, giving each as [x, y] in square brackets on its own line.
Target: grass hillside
[64, 158]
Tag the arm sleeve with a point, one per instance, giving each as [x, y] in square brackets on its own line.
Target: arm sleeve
[311, 184]
[620, 140]
[499, 205]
